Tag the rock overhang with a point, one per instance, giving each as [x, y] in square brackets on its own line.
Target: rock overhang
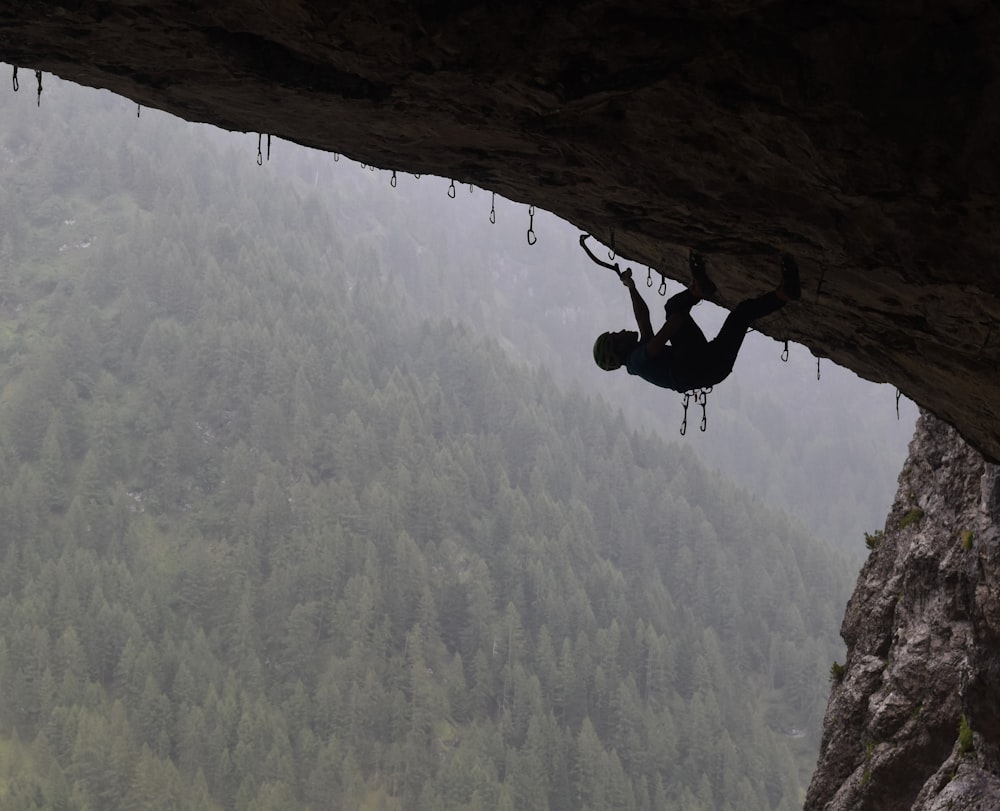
[862, 140]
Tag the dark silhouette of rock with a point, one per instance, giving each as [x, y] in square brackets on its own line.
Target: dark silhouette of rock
[859, 137]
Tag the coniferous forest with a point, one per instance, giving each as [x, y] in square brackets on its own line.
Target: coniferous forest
[274, 538]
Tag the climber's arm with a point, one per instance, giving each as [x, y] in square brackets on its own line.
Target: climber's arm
[639, 308]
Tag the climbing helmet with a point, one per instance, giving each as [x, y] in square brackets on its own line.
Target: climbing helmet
[605, 352]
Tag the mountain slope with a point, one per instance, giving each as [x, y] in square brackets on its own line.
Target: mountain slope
[275, 540]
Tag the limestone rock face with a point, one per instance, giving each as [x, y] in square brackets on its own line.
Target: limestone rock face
[922, 629]
[862, 137]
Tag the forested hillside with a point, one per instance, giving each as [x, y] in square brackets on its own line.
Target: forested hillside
[273, 540]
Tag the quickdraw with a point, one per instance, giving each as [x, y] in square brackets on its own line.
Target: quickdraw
[260, 154]
[621, 273]
[699, 397]
[662, 289]
[532, 239]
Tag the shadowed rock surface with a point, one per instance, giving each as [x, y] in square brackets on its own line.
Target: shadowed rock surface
[860, 137]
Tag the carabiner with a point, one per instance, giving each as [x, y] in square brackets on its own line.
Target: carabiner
[594, 259]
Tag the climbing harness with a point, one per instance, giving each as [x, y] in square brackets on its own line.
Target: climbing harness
[699, 397]
[532, 239]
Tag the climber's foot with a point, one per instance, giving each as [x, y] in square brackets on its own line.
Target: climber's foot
[790, 288]
[701, 285]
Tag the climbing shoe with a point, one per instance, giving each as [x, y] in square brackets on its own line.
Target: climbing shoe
[790, 288]
[704, 286]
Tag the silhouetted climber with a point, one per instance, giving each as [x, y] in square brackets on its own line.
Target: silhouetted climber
[691, 361]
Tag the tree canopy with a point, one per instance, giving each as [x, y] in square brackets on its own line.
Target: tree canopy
[275, 538]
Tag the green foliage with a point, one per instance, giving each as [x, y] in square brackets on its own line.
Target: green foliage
[866, 775]
[873, 539]
[965, 740]
[837, 671]
[913, 517]
[968, 538]
[272, 540]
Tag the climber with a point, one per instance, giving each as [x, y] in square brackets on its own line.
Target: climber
[690, 362]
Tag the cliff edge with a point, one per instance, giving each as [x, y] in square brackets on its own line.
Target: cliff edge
[913, 720]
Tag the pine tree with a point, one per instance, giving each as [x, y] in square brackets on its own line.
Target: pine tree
[55, 464]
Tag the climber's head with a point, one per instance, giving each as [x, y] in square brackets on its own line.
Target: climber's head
[611, 348]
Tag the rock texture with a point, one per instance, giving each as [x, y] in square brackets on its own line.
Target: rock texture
[922, 629]
[859, 136]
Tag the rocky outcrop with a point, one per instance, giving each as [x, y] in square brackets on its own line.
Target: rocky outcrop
[859, 136]
[913, 720]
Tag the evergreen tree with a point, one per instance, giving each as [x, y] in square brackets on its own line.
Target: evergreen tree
[273, 538]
